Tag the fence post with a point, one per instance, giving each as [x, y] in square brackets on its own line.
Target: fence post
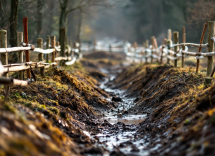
[169, 34]
[20, 54]
[40, 55]
[62, 44]
[183, 47]
[176, 48]
[66, 47]
[57, 53]
[146, 46]
[53, 42]
[94, 46]
[47, 47]
[3, 44]
[169, 48]
[135, 51]
[27, 57]
[110, 48]
[152, 42]
[162, 49]
[72, 51]
[200, 48]
[211, 33]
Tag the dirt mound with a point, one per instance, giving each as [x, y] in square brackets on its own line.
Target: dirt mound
[67, 99]
[179, 108]
[27, 133]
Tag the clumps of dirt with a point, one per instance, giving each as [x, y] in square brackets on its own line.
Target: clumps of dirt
[68, 99]
[179, 108]
[27, 133]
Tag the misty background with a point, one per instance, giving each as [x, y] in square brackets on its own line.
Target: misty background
[131, 20]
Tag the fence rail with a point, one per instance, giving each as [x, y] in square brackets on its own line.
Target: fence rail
[68, 57]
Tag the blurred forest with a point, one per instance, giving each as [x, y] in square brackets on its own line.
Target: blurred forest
[132, 20]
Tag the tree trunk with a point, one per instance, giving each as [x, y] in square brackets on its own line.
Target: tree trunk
[13, 29]
[79, 27]
[51, 19]
[39, 17]
[62, 21]
[13, 22]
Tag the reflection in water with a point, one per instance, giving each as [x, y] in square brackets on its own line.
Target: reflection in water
[130, 119]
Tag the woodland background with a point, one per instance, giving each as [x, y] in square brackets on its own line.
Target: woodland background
[86, 20]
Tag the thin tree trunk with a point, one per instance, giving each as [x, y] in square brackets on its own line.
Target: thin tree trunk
[39, 17]
[79, 27]
[13, 22]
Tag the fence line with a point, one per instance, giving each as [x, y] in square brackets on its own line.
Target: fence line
[52, 47]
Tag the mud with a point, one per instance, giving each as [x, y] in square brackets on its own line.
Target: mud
[103, 107]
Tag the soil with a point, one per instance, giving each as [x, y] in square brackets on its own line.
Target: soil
[103, 106]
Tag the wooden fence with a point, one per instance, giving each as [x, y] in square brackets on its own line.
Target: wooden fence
[53, 48]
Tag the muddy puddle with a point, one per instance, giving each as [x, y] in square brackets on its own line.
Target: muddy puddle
[121, 136]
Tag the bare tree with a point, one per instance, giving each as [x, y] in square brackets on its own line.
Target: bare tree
[203, 11]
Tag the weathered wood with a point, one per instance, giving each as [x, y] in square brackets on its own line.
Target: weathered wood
[27, 57]
[200, 48]
[53, 42]
[110, 48]
[47, 47]
[135, 51]
[183, 47]
[20, 55]
[152, 42]
[146, 46]
[211, 33]
[168, 43]
[40, 55]
[94, 45]
[176, 48]
[3, 44]
[161, 59]
[62, 44]
[67, 46]
[57, 53]
[169, 34]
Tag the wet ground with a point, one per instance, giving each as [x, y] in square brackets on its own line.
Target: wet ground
[119, 135]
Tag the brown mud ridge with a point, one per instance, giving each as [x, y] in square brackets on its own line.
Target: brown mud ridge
[123, 110]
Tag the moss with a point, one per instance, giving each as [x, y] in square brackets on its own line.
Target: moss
[29, 105]
[53, 109]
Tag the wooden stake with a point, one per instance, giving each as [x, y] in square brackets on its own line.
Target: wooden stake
[135, 51]
[27, 57]
[40, 55]
[146, 46]
[47, 47]
[169, 34]
[168, 43]
[176, 48]
[57, 53]
[211, 33]
[152, 42]
[200, 48]
[20, 59]
[94, 46]
[183, 47]
[3, 44]
[164, 42]
[53, 42]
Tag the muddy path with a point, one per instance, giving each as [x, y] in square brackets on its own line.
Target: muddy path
[120, 126]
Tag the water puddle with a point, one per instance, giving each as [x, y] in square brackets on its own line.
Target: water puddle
[128, 120]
